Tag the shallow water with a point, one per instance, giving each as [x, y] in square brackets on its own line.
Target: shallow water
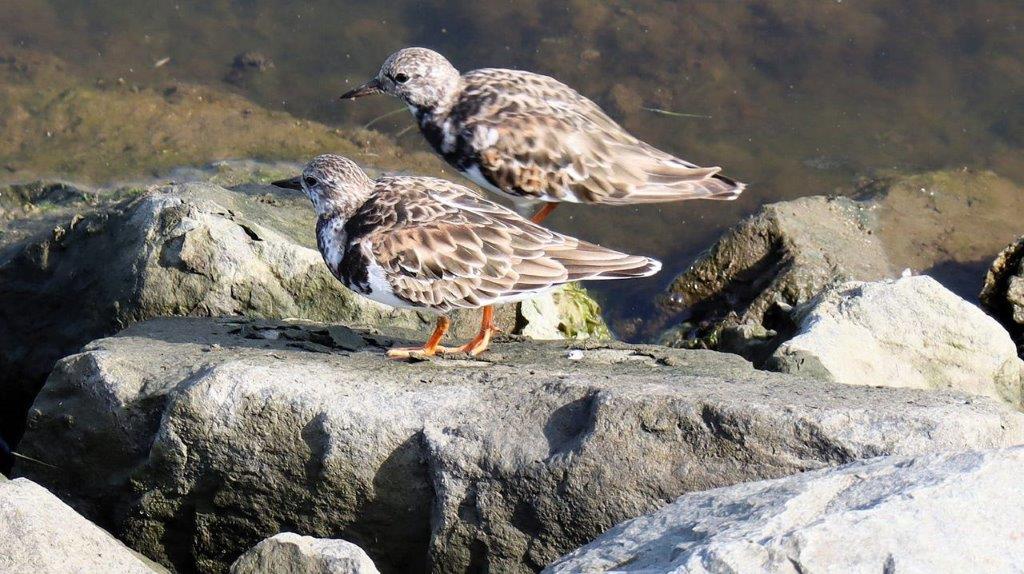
[795, 98]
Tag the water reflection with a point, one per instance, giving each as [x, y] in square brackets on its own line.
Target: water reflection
[795, 98]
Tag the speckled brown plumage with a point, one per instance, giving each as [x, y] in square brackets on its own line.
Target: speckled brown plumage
[431, 244]
[534, 138]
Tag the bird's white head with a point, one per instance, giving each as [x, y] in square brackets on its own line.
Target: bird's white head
[420, 77]
[335, 185]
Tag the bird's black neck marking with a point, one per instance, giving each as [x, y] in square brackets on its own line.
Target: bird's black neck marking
[351, 269]
[432, 128]
[433, 123]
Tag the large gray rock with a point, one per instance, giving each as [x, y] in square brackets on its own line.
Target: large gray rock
[912, 332]
[289, 553]
[39, 534]
[193, 249]
[193, 439]
[737, 296]
[937, 513]
[1003, 292]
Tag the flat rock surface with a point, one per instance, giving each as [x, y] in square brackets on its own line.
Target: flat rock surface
[39, 534]
[193, 439]
[936, 513]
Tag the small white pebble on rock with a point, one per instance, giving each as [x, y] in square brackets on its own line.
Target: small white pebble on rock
[574, 355]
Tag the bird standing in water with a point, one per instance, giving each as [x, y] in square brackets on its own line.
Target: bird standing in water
[426, 243]
[533, 138]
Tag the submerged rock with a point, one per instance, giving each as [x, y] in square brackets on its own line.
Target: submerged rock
[912, 332]
[195, 249]
[935, 513]
[39, 534]
[193, 440]
[948, 224]
[1003, 293]
[294, 554]
[57, 124]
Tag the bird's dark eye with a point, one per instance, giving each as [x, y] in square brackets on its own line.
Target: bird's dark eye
[401, 78]
[310, 181]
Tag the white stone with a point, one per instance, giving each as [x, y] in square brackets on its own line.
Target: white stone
[935, 513]
[39, 534]
[295, 554]
[911, 332]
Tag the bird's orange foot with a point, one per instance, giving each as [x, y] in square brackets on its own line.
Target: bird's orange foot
[479, 343]
[429, 349]
[425, 351]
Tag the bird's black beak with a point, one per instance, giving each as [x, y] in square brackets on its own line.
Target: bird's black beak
[293, 183]
[367, 89]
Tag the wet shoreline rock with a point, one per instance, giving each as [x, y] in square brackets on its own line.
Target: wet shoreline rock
[935, 513]
[1003, 292]
[740, 295]
[949, 224]
[193, 441]
[196, 249]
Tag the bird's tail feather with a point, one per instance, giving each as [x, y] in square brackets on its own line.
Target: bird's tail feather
[662, 177]
[586, 261]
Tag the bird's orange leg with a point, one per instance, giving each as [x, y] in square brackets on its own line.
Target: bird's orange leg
[429, 348]
[543, 212]
[483, 337]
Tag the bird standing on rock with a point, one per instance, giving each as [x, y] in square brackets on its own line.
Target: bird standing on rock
[426, 243]
[534, 138]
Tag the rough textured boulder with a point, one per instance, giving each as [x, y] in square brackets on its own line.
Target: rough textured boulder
[737, 296]
[1003, 293]
[289, 553]
[959, 512]
[193, 439]
[912, 332]
[39, 534]
[192, 249]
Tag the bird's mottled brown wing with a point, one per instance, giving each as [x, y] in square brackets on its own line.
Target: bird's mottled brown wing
[538, 138]
[444, 247]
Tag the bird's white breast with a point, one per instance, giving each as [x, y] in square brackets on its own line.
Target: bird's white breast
[381, 290]
[449, 136]
[476, 176]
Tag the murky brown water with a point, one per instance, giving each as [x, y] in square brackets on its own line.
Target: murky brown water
[795, 98]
